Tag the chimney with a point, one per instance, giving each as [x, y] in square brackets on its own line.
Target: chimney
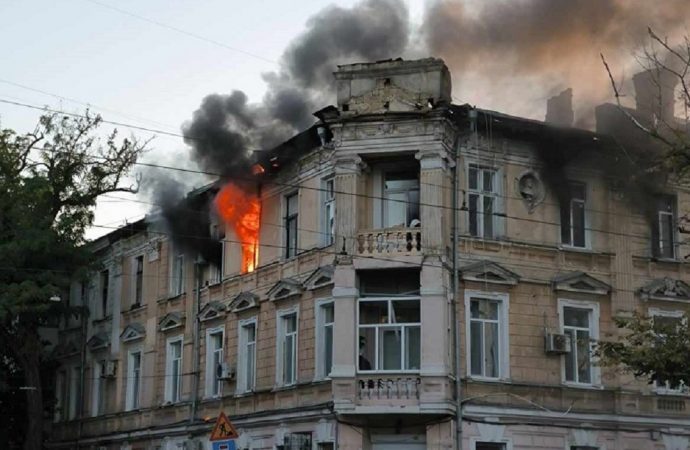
[654, 95]
[559, 109]
[393, 85]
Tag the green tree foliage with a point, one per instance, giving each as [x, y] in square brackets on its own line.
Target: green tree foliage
[49, 182]
[654, 348]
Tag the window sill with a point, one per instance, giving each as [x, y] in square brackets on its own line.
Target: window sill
[287, 387]
[591, 387]
[387, 372]
[572, 248]
[134, 309]
[102, 319]
[487, 379]
[173, 297]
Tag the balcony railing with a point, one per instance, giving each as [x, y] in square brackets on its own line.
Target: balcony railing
[390, 240]
[393, 387]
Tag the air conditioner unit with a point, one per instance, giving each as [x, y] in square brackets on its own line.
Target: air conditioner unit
[109, 369]
[557, 343]
[225, 371]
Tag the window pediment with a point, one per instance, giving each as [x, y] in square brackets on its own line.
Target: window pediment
[323, 276]
[170, 321]
[98, 341]
[132, 332]
[580, 282]
[244, 301]
[285, 288]
[489, 272]
[212, 310]
[666, 289]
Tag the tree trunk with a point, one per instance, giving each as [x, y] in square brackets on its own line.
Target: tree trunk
[31, 364]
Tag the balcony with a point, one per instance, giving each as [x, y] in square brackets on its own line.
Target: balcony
[402, 241]
[393, 387]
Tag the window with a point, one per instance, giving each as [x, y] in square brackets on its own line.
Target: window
[246, 370]
[291, 210]
[483, 201]
[99, 388]
[296, 441]
[573, 220]
[389, 321]
[664, 322]
[104, 281]
[328, 211]
[490, 446]
[664, 229]
[216, 266]
[138, 282]
[401, 198]
[214, 359]
[287, 348]
[176, 271]
[324, 338]
[60, 388]
[173, 370]
[487, 322]
[580, 322]
[74, 394]
[133, 380]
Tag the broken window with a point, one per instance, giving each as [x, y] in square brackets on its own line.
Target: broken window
[483, 201]
[105, 284]
[138, 263]
[291, 216]
[664, 228]
[573, 220]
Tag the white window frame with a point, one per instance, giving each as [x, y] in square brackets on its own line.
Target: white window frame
[177, 272]
[593, 335]
[170, 396]
[389, 324]
[211, 380]
[244, 384]
[676, 314]
[281, 335]
[496, 194]
[475, 440]
[322, 372]
[674, 237]
[327, 211]
[503, 333]
[587, 231]
[132, 398]
[133, 286]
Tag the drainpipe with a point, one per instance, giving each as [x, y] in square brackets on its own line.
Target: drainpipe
[196, 354]
[82, 369]
[454, 303]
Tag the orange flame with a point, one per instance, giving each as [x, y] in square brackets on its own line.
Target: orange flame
[242, 211]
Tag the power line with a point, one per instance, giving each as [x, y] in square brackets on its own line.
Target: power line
[181, 31]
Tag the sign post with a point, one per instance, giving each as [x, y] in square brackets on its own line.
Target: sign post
[224, 434]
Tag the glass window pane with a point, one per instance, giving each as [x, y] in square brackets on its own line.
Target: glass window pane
[583, 357]
[491, 349]
[367, 348]
[328, 349]
[481, 308]
[473, 177]
[390, 348]
[476, 344]
[488, 217]
[292, 204]
[396, 209]
[389, 282]
[412, 206]
[570, 357]
[576, 317]
[412, 348]
[288, 359]
[405, 311]
[328, 313]
[249, 376]
[488, 180]
[373, 312]
[291, 323]
[474, 211]
[578, 224]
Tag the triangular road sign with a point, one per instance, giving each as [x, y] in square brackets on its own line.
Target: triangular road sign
[224, 429]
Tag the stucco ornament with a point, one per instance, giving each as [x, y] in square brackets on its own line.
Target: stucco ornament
[530, 189]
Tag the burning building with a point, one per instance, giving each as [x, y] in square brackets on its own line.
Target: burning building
[406, 273]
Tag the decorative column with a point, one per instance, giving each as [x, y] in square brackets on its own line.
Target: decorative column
[349, 201]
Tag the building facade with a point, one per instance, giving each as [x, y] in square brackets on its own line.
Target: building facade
[405, 239]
